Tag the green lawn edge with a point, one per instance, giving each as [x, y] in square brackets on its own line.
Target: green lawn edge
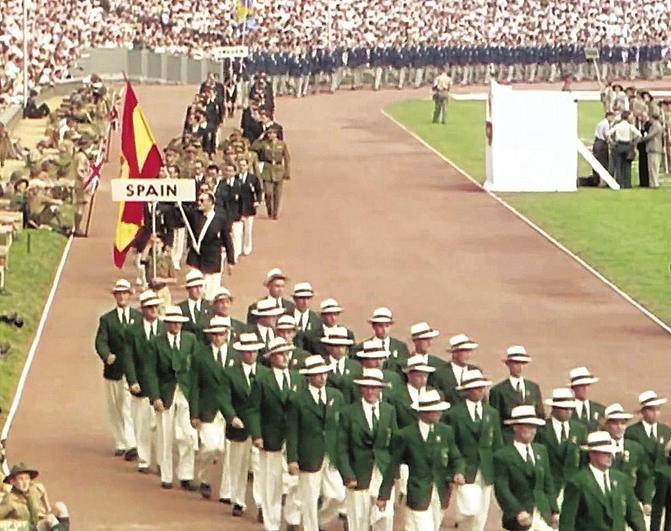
[29, 280]
[624, 235]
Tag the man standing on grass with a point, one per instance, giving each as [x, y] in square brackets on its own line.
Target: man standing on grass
[441, 93]
[110, 345]
[625, 136]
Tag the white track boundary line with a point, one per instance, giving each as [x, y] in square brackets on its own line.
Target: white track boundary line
[535, 227]
[36, 341]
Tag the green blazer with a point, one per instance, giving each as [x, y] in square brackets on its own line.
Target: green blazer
[519, 487]
[343, 382]
[136, 355]
[206, 396]
[597, 412]
[401, 400]
[430, 463]
[634, 464]
[654, 450]
[296, 361]
[476, 442]
[311, 432]
[202, 318]
[504, 398]
[111, 337]
[235, 399]
[314, 322]
[237, 328]
[398, 355]
[268, 408]
[312, 340]
[443, 380]
[359, 448]
[661, 503]
[165, 368]
[565, 458]
[390, 377]
[587, 508]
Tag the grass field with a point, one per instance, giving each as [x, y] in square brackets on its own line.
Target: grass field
[28, 282]
[626, 235]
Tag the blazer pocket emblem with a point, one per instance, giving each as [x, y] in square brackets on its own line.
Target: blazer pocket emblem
[444, 457]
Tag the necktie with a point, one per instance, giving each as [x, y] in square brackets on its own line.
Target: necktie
[530, 461]
[220, 360]
[564, 432]
[252, 376]
[285, 382]
[477, 416]
[374, 418]
[152, 330]
[652, 434]
[430, 436]
[606, 484]
[583, 415]
[125, 316]
[519, 388]
[461, 375]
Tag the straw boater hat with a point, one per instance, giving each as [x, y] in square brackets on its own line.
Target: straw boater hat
[581, 376]
[371, 378]
[382, 315]
[372, 349]
[267, 308]
[337, 337]
[616, 412]
[473, 379]
[461, 342]
[329, 306]
[650, 399]
[121, 285]
[149, 298]
[562, 397]
[222, 293]
[314, 365]
[248, 342]
[524, 415]
[285, 322]
[218, 325]
[430, 401]
[274, 274]
[194, 279]
[423, 331]
[416, 363]
[21, 468]
[278, 345]
[303, 289]
[517, 353]
[600, 441]
[173, 314]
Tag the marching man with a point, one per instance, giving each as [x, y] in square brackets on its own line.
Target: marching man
[110, 345]
[306, 319]
[267, 424]
[588, 412]
[450, 375]
[274, 283]
[168, 374]
[477, 432]
[140, 335]
[422, 336]
[312, 446]
[286, 329]
[397, 351]
[434, 462]
[195, 307]
[365, 437]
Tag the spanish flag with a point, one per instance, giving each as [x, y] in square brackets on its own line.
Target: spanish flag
[140, 159]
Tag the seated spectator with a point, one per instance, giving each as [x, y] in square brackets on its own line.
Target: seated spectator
[28, 502]
[35, 110]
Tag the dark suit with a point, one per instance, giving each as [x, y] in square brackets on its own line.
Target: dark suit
[217, 235]
[250, 192]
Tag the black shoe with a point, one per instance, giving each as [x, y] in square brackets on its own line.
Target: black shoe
[259, 516]
[292, 527]
[205, 491]
[143, 470]
[119, 453]
[237, 510]
[225, 501]
[131, 455]
[186, 484]
[165, 485]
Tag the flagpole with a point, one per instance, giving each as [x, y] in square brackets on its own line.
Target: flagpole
[154, 238]
[25, 53]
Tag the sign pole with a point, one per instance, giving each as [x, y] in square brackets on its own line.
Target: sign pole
[154, 204]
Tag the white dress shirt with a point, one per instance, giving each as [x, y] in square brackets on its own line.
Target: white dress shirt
[194, 306]
[224, 353]
[123, 313]
[582, 404]
[386, 343]
[557, 426]
[266, 333]
[458, 371]
[472, 407]
[248, 370]
[424, 429]
[316, 393]
[650, 427]
[620, 444]
[623, 131]
[149, 328]
[414, 393]
[368, 411]
[279, 376]
[173, 340]
[339, 365]
[515, 381]
[301, 318]
[602, 129]
[602, 478]
[522, 449]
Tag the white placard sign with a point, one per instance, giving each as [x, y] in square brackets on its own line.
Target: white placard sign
[230, 52]
[150, 190]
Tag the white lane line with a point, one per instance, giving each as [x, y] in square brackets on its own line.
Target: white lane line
[535, 227]
[36, 342]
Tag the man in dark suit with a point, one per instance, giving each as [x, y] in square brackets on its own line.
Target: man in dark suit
[227, 197]
[397, 351]
[448, 377]
[267, 122]
[274, 283]
[195, 307]
[209, 234]
[110, 345]
[251, 194]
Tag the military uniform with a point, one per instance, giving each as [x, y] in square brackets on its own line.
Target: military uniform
[27, 507]
[82, 197]
[275, 157]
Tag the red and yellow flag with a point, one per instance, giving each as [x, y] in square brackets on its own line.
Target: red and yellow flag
[140, 158]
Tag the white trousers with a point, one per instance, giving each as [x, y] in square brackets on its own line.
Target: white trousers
[236, 236]
[225, 486]
[537, 522]
[212, 284]
[326, 483]
[144, 425]
[212, 436]
[178, 244]
[247, 236]
[428, 520]
[363, 514]
[174, 430]
[117, 397]
[239, 455]
[254, 464]
[472, 504]
[273, 481]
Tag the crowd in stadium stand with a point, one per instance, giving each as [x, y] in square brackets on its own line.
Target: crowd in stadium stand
[513, 36]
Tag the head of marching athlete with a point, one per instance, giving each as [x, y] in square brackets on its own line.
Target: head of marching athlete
[286, 329]
[601, 450]
[248, 357]
[206, 202]
[173, 328]
[219, 339]
[276, 287]
[418, 379]
[474, 385]
[651, 404]
[515, 368]
[150, 312]
[371, 393]
[229, 171]
[422, 344]
[317, 380]
[336, 352]
[279, 360]
[222, 302]
[616, 421]
[122, 292]
[243, 165]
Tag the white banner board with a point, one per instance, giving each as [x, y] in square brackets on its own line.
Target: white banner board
[151, 190]
[231, 52]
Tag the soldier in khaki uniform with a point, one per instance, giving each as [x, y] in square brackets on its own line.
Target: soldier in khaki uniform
[28, 502]
[82, 171]
[275, 156]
